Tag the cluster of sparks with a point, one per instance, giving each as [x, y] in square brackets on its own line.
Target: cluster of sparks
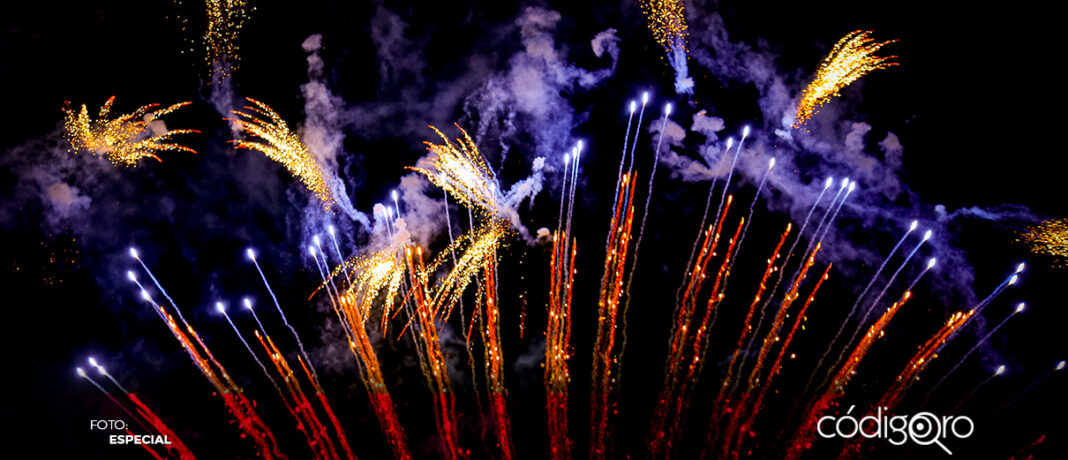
[225, 18]
[667, 21]
[125, 139]
[851, 58]
[269, 134]
[1050, 238]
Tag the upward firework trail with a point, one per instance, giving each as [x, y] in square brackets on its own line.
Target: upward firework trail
[604, 359]
[667, 21]
[125, 139]
[462, 171]
[281, 145]
[225, 20]
[641, 233]
[874, 304]
[851, 58]
[1000, 370]
[980, 342]
[239, 406]
[251, 254]
[874, 277]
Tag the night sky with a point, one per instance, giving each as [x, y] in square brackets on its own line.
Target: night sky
[973, 106]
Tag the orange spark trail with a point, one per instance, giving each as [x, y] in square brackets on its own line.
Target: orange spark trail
[239, 406]
[494, 361]
[378, 275]
[680, 329]
[752, 410]
[921, 359]
[602, 381]
[557, 348]
[176, 445]
[769, 341]
[746, 326]
[679, 401]
[927, 352]
[319, 440]
[435, 365]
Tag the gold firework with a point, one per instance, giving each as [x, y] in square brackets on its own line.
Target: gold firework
[667, 21]
[225, 19]
[460, 170]
[282, 145]
[1049, 237]
[125, 139]
[851, 58]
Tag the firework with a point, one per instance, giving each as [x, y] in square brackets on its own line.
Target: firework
[980, 342]
[1000, 370]
[753, 408]
[609, 296]
[239, 406]
[875, 303]
[462, 171]
[851, 58]
[125, 139]
[281, 145]
[432, 358]
[225, 18]
[310, 425]
[1050, 237]
[378, 275]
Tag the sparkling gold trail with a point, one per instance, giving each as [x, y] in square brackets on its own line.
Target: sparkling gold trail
[281, 145]
[461, 170]
[125, 139]
[851, 58]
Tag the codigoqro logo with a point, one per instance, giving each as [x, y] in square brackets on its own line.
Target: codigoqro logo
[923, 428]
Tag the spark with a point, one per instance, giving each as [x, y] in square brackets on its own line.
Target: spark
[850, 59]
[125, 139]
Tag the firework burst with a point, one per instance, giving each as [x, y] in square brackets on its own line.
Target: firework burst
[851, 58]
[282, 145]
[125, 139]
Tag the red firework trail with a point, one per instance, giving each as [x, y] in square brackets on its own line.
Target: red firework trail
[176, 445]
[341, 436]
[659, 433]
[239, 406]
[746, 324]
[372, 377]
[602, 381]
[805, 434]
[435, 369]
[681, 395]
[769, 341]
[318, 439]
[753, 409]
[905, 379]
[495, 361]
[557, 348]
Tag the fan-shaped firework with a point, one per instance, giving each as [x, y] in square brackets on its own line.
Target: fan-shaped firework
[851, 58]
[125, 139]
[282, 145]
